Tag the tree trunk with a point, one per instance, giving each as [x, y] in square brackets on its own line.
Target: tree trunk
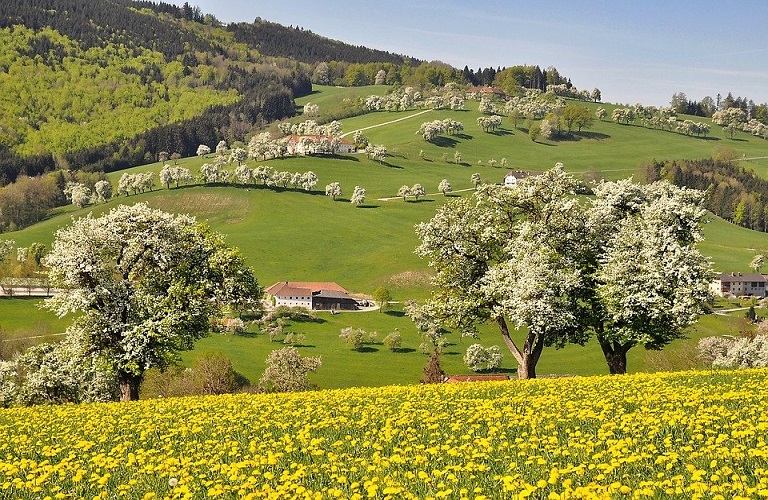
[528, 358]
[129, 386]
[615, 355]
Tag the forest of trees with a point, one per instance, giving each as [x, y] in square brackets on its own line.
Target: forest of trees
[735, 193]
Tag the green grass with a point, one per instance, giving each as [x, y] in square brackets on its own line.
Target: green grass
[288, 235]
[22, 318]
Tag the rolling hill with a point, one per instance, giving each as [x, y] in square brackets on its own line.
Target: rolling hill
[289, 234]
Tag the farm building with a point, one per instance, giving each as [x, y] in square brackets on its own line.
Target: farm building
[512, 177]
[311, 295]
[739, 284]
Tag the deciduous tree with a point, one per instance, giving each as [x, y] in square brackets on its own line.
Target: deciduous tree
[145, 284]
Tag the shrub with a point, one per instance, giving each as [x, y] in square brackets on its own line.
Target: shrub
[288, 371]
[354, 337]
[393, 341]
[478, 358]
[433, 372]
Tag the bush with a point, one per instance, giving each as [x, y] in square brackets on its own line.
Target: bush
[288, 371]
[433, 372]
[393, 341]
[354, 337]
[747, 351]
[478, 358]
[211, 374]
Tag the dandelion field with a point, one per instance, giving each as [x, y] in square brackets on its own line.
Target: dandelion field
[673, 435]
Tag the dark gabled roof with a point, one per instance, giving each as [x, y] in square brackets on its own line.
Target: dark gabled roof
[731, 277]
[331, 294]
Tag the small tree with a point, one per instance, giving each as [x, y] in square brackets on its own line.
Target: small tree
[433, 372]
[457, 157]
[478, 358]
[288, 371]
[358, 196]
[333, 190]
[393, 340]
[404, 192]
[417, 190]
[353, 337]
[382, 297]
[476, 180]
[444, 187]
[203, 150]
[757, 262]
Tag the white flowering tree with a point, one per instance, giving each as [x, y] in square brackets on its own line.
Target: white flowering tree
[417, 191]
[238, 155]
[143, 284]
[308, 180]
[333, 190]
[203, 150]
[78, 194]
[444, 187]
[102, 191]
[651, 281]
[510, 255]
[404, 191]
[358, 196]
[288, 371]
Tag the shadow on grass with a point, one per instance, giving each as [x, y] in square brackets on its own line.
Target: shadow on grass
[396, 314]
[248, 335]
[501, 132]
[464, 137]
[444, 142]
[367, 207]
[367, 349]
[591, 135]
[404, 350]
[389, 165]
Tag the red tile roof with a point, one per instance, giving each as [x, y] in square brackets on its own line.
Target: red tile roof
[302, 288]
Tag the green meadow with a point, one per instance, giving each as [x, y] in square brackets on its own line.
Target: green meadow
[296, 235]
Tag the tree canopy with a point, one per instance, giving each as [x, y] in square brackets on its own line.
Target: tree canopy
[145, 283]
[534, 257]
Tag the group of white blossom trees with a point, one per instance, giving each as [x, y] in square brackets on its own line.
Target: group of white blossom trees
[622, 266]
[663, 118]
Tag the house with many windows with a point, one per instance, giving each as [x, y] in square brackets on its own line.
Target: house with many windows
[740, 284]
[311, 295]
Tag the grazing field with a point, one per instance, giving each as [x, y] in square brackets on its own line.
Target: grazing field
[672, 435]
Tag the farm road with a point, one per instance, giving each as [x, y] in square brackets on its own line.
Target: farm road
[387, 123]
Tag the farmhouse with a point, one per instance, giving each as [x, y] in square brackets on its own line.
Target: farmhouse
[512, 177]
[739, 284]
[311, 295]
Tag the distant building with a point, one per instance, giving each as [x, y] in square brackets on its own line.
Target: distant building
[311, 295]
[512, 177]
[739, 284]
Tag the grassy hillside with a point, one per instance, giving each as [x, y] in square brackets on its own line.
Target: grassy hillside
[674, 435]
[295, 235]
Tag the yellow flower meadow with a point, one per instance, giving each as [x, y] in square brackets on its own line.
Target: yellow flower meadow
[683, 435]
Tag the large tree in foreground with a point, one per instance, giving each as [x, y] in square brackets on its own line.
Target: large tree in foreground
[623, 266]
[651, 282]
[512, 256]
[145, 284]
